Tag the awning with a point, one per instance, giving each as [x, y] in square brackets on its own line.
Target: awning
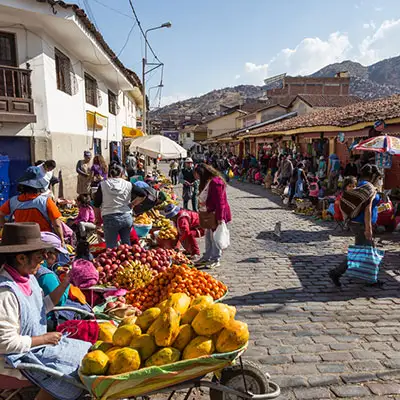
[132, 133]
[95, 120]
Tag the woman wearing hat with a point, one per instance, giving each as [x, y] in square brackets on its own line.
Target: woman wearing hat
[188, 225]
[23, 329]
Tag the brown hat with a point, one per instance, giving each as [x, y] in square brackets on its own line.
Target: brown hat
[22, 237]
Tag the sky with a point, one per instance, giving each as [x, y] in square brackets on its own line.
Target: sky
[214, 44]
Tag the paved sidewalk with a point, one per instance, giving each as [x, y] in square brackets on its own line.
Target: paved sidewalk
[317, 341]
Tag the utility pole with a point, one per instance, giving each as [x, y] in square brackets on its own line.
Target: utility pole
[144, 72]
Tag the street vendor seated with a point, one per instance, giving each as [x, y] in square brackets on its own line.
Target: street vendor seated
[23, 308]
[51, 270]
[188, 225]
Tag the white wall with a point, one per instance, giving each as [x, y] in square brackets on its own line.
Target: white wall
[61, 128]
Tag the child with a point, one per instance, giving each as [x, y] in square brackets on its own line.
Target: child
[258, 178]
[188, 225]
[85, 221]
[349, 183]
[314, 190]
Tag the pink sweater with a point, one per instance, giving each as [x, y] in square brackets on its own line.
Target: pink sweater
[86, 214]
[217, 200]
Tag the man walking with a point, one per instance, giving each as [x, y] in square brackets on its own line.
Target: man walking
[190, 185]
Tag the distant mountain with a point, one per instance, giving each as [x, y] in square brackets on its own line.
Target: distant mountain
[378, 80]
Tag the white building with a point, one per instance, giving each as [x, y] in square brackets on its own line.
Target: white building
[62, 89]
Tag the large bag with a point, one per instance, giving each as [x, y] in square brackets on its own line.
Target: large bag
[353, 202]
[363, 262]
[208, 220]
[222, 236]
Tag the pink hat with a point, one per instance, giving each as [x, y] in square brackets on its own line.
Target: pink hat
[54, 241]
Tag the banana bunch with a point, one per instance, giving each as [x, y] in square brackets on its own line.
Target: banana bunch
[168, 233]
[143, 219]
[133, 276]
[162, 223]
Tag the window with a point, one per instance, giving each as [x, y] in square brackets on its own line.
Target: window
[8, 52]
[188, 135]
[112, 103]
[63, 72]
[91, 90]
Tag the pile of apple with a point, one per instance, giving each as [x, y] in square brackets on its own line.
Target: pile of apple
[115, 260]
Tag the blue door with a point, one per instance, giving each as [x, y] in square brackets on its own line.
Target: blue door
[18, 151]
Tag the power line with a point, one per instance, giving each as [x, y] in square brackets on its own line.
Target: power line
[113, 9]
[143, 33]
[90, 13]
[127, 40]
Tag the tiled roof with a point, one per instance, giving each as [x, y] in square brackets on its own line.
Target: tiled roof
[80, 13]
[361, 112]
[322, 100]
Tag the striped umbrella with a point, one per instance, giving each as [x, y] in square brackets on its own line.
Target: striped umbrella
[380, 144]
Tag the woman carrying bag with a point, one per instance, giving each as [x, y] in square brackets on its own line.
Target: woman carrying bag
[214, 212]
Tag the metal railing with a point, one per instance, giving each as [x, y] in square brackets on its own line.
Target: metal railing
[15, 82]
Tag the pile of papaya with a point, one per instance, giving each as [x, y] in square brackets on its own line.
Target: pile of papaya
[177, 329]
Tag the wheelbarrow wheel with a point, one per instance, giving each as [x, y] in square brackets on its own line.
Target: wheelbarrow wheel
[234, 377]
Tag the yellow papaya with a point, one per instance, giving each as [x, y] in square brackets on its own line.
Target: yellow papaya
[102, 346]
[180, 302]
[185, 335]
[147, 318]
[124, 335]
[198, 304]
[167, 355]
[106, 331]
[233, 337]
[232, 311]
[162, 305]
[200, 346]
[131, 320]
[125, 360]
[145, 345]
[211, 319]
[95, 363]
[168, 328]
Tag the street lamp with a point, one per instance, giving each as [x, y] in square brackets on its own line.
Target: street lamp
[144, 72]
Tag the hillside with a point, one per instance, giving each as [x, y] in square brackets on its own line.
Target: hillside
[378, 80]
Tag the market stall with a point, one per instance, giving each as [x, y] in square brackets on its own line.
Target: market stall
[156, 146]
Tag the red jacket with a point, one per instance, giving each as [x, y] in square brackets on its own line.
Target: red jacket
[187, 222]
[217, 200]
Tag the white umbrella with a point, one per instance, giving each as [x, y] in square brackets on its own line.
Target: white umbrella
[156, 145]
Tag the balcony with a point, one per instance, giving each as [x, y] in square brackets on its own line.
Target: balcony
[16, 104]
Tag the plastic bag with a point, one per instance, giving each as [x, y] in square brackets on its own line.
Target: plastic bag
[222, 236]
[231, 175]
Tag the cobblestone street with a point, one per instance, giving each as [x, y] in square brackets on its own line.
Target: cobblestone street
[317, 341]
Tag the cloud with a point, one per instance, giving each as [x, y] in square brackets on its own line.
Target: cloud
[378, 9]
[308, 56]
[382, 44]
[250, 67]
[237, 77]
[369, 25]
[312, 54]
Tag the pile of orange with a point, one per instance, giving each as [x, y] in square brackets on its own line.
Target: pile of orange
[177, 279]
